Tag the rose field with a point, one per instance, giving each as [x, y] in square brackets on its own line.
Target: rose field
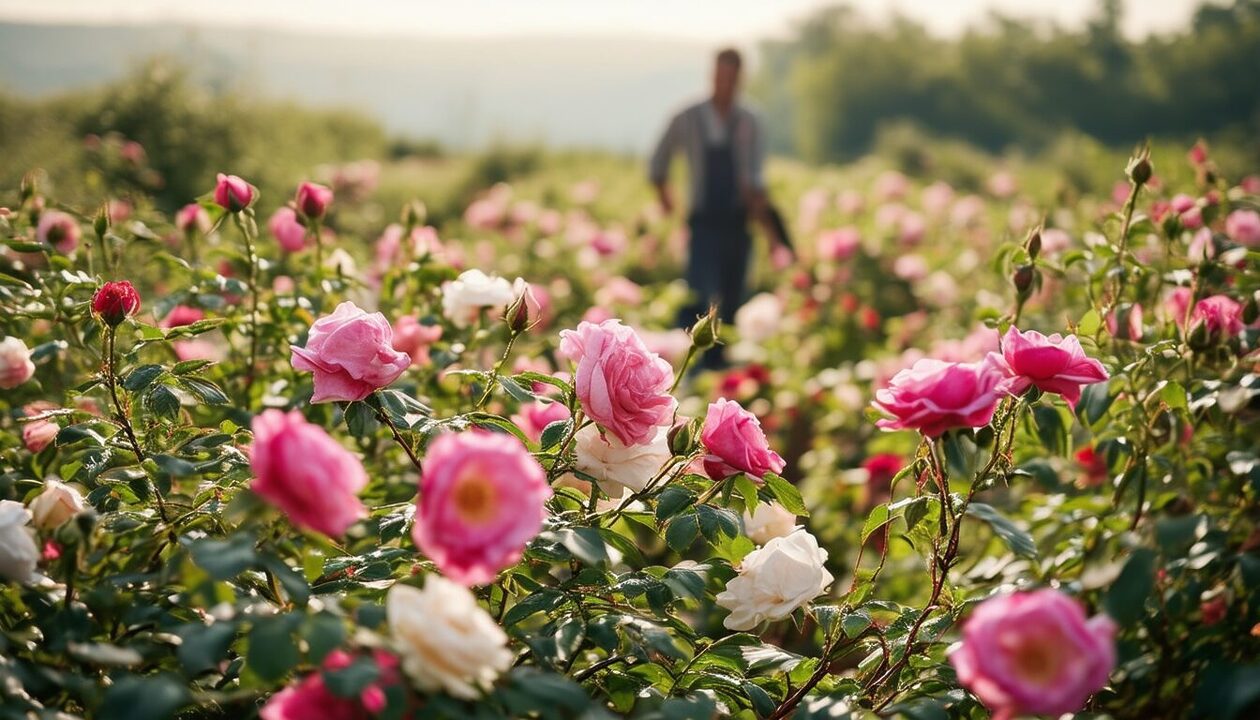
[304, 448]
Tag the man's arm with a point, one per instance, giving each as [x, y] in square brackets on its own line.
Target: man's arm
[658, 164]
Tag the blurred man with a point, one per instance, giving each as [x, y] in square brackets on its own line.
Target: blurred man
[725, 150]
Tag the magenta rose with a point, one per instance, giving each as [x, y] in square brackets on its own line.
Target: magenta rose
[623, 386]
[736, 443]
[351, 353]
[304, 472]
[482, 498]
[232, 193]
[1220, 315]
[313, 199]
[1053, 364]
[934, 396]
[1034, 653]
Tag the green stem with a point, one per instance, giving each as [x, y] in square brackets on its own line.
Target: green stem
[120, 413]
[248, 230]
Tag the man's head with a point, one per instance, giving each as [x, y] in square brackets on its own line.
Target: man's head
[726, 76]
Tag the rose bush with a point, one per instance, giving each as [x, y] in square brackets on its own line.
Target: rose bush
[951, 474]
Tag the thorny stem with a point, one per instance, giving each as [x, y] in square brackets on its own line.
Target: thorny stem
[497, 370]
[120, 413]
[398, 438]
[248, 228]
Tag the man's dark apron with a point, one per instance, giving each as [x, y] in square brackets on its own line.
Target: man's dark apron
[717, 266]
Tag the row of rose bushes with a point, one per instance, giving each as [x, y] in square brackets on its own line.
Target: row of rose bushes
[562, 508]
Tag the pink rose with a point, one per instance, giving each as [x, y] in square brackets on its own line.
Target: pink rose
[59, 230]
[1034, 653]
[1054, 364]
[198, 349]
[288, 232]
[351, 353]
[192, 218]
[313, 200]
[181, 315]
[1177, 305]
[310, 698]
[933, 396]
[1221, 315]
[1125, 322]
[534, 417]
[414, 338]
[38, 434]
[15, 363]
[623, 386]
[304, 472]
[1243, 227]
[482, 498]
[232, 193]
[840, 244]
[736, 443]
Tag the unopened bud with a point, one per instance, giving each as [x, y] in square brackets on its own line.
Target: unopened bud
[704, 334]
[414, 214]
[1034, 244]
[682, 437]
[102, 221]
[27, 188]
[517, 315]
[1140, 169]
[1023, 280]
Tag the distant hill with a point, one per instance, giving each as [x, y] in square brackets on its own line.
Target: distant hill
[609, 92]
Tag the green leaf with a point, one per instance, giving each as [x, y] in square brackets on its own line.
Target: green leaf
[188, 366]
[787, 494]
[155, 697]
[1050, 428]
[204, 646]
[293, 582]
[878, 518]
[716, 522]
[350, 681]
[682, 531]
[1173, 395]
[142, 377]
[554, 433]
[1094, 402]
[361, 419]
[1126, 598]
[204, 390]
[1090, 324]
[272, 650]
[543, 600]
[324, 632]
[224, 559]
[673, 500]
[585, 543]
[162, 402]
[1018, 540]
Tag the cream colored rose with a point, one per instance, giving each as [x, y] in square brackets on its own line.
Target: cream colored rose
[18, 553]
[760, 318]
[446, 641]
[775, 580]
[471, 291]
[56, 504]
[618, 466]
[767, 522]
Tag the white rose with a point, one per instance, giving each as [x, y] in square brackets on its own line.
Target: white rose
[471, 291]
[446, 641]
[18, 553]
[759, 318]
[768, 521]
[342, 262]
[56, 504]
[775, 580]
[618, 466]
[15, 363]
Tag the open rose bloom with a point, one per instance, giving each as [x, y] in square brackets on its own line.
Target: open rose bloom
[1054, 364]
[1034, 652]
[933, 396]
[351, 353]
[736, 443]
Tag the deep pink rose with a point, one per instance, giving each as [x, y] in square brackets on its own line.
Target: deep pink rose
[310, 698]
[181, 315]
[313, 199]
[116, 301]
[534, 417]
[1053, 364]
[1221, 315]
[232, 193]
[351, 353]
[304, 472]
[59, 230]
[1243, 227]
[933, 396]
[623, 386]
[1034, 653]
[414, 338]
[482, 498]
[288, 232]
[736, 443]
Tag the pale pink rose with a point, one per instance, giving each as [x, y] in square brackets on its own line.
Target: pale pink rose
[1250, 184]
[193, 218]
[936, 198]
[119, 211]
[669, 344]
[888, 216]
[967, 211]
[623, 386]
[1034, 653]
[1243, 227]
[15, 363]
[1002, 184]
[38, 434]
[911, 228]
[597, 314]
[534, 417]
[934, 396]
[1202, 247]
[850, 202]
[585, 192]
[609, 242]
[288, 232]
[910, 267]
[232, 193]
[181, 315]
[1054, 241]
[59, 230]
[1192, 218]
[979, 343]
[1221, 315]
[482, 498]
[1177, 305]
[891, 185]
[414, 338]
[198, 349]
[619, 290]
[1125, 322]
[811, 208]
[304, 472]
[1053, 364]
[283, 285]
[351, 353]
[736, 443]
[840, 244]
[1181, 203]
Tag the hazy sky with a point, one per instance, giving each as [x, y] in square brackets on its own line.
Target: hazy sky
[707, 20]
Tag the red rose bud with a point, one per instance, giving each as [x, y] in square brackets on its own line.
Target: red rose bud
[517, 315]
[115, 302]
[1034, 244]
[313, 200]
[1023, 280]
[232, 193]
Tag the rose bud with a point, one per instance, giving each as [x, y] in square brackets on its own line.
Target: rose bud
[232, 193]
[704, 333]
[313, 200]
[1140, 169]
[1034, 244]
[1023, 280]
[115, 302]
[517, 315]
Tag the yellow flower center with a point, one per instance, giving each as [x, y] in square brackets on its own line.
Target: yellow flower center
[475, 497]
[1036, 660]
